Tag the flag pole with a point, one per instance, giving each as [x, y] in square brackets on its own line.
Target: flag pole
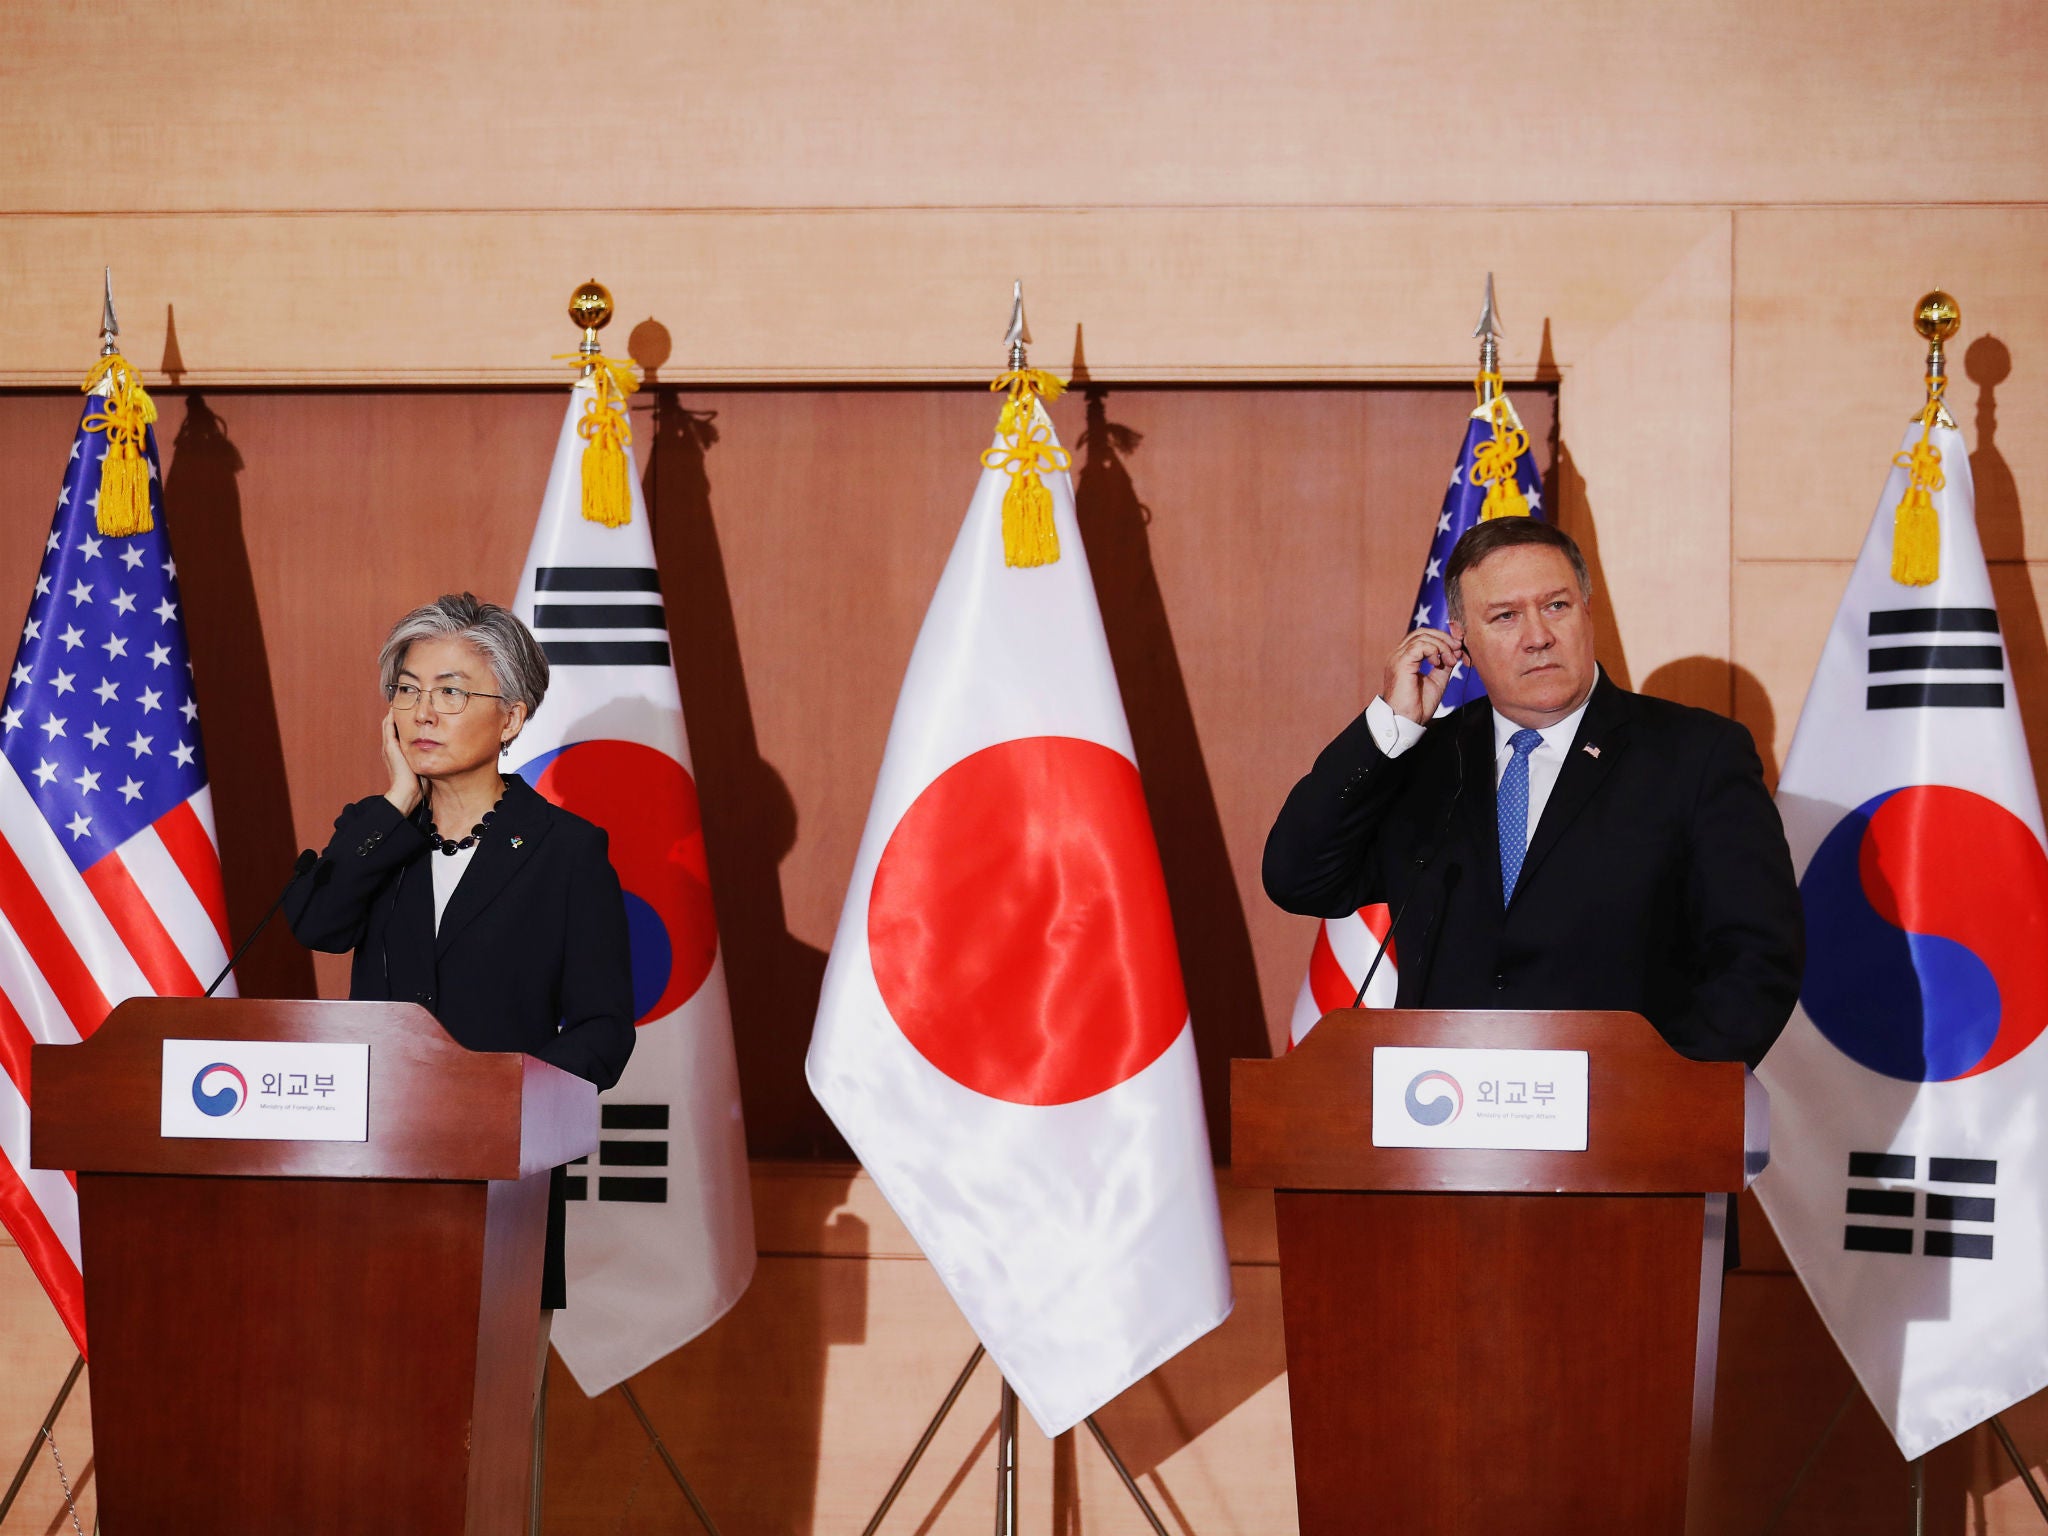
[1006, 1462]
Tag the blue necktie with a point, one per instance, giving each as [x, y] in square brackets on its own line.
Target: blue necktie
[1511, 811]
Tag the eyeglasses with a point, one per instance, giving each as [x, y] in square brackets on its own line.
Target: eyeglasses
[446, 700]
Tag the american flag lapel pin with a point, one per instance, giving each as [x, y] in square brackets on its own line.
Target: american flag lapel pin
[1591, 751]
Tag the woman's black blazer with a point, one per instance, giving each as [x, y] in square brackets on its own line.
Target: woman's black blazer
[531, 955]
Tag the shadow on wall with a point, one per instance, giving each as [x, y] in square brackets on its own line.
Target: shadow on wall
[1208, 917]
[231, 679]
[1564, 496]
[1701, 680]
[2001, 524]
[749, 816]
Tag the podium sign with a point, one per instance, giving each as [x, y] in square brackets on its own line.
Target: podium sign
[1429, 1096]
[265, 1090]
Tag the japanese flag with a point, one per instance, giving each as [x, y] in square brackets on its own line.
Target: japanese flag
[1003, 1035]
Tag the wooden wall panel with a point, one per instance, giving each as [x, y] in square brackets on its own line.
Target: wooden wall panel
[210, 104]
[878, 295]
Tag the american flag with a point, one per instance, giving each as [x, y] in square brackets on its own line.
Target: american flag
[1458, 513]
[110, 882]
[1345, 946]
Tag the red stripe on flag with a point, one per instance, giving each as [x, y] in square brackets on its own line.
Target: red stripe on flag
[198, 861]
[1327, 983]
[22, 904]
[141, 930]
[15, 1044]
[31, 1230]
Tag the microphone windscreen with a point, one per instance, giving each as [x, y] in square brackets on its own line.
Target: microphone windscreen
[305, 862]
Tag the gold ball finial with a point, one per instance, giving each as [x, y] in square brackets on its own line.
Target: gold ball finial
[590, 306]
[1936, 317]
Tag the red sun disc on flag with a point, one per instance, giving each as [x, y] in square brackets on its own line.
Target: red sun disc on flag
[1018, 924]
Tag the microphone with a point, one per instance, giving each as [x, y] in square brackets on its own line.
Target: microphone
[300, 868]
[1451, 878]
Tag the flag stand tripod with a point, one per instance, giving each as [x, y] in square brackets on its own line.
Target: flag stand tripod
[1917, 1465]
[661, 1449]
[42, 1433]
[1006, 1459]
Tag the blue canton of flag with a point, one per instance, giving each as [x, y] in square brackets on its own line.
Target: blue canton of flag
[1459, 512]
[99, 721]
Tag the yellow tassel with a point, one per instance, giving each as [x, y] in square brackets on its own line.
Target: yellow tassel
[1916, 540]
[1504, 498]
[1493, 464]
[1916, 528]
[123, 506]
[1030, 536]
[606, 430]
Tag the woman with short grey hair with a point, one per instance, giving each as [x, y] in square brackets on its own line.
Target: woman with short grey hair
[459, 887]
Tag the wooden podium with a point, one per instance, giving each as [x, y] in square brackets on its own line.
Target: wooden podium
[1499, 1342]
[312, 1336]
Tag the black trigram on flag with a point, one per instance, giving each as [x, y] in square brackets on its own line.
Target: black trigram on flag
[638, 1152]
[1974, 1210]
[600, 616]
[1937, 640]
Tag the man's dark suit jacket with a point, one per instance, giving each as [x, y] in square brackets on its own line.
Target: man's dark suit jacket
[531, 955]
[1657, 880]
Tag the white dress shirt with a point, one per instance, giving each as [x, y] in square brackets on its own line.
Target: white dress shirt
[1395, 734]
[449, 870]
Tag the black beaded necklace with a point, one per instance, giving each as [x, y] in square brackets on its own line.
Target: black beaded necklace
[441, 844]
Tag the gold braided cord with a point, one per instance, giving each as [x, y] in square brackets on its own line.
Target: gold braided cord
[1029, 381]
[1494, 462]
[126, 417]
[1916, 529]
[606, 430]
[1027, 452]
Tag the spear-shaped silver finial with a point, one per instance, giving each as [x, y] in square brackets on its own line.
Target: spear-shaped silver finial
[109, 326]
[1489, 332]
[1018, 337]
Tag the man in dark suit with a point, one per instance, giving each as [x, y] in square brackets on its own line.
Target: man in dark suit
[1561, 843]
